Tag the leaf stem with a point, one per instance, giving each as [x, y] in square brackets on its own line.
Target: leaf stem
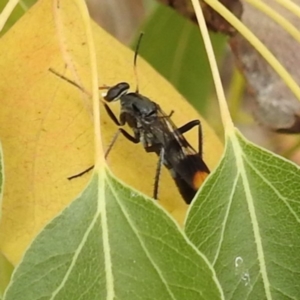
[99, 159]
[225, 115]
[291, 6]
[273, 14]
[6, 12]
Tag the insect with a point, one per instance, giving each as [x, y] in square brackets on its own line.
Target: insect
[154, 129]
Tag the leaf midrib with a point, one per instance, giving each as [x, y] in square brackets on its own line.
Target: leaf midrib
[249, 199]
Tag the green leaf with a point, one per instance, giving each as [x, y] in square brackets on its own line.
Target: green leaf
[179, 54]
[6, 269]
[119, 246]
[247, 223]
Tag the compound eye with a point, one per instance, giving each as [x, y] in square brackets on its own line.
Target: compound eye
[117, 91]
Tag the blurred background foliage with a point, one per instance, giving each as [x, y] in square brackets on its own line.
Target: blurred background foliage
[174, 47]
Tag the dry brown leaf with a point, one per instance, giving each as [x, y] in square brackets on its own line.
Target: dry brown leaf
[275, 106]
[213, 20]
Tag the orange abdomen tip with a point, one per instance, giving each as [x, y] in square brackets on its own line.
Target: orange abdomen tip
[198, 179]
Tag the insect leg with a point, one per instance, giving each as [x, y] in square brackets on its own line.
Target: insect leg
[158, 172]
[114, 139]
[128, 136]
[187, 127]
[112, 115]
[81, 173]
[170, 114]
[68, 80]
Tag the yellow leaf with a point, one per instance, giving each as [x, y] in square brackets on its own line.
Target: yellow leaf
[46, 126]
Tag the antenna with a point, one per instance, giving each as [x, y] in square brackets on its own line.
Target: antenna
[135, 59]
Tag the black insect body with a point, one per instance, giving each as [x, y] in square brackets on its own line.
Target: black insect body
[157, 133]
[137, 111]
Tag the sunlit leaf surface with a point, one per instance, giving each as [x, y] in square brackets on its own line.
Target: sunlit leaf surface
[247, 223]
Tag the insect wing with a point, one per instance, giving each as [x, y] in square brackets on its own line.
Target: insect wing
[186, 162]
